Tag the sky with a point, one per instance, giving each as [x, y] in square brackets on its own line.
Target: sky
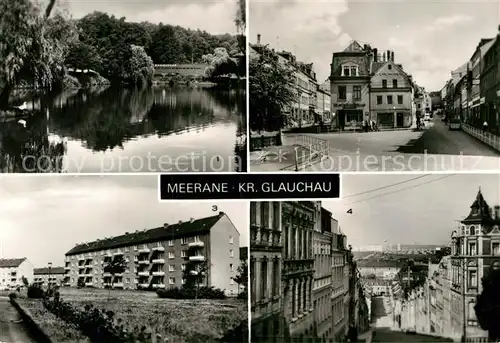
[213, 16]
[430, 38]
[424, 211]
[43, 217]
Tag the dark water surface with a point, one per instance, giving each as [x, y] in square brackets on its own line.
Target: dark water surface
[124, 130]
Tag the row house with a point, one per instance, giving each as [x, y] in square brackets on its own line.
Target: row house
[475, 247]
[159, 258]
[14, 270]
[53, 276]
[490, 85]
[369, 86]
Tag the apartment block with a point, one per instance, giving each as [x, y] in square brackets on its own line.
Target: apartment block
[157, 258]
[13, 270]
[53, 276]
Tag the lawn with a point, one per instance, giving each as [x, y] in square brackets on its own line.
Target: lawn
[180, 321]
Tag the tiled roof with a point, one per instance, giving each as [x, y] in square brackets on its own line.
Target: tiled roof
[173, 231]
[45, 271]
[376, 66]
[11, 262]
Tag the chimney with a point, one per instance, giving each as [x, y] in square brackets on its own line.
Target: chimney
[191, 219]
[375, 55]
[258, 38]
[165, 225]
[388, 55]
[383, 57]
[392, 56]
[221, 213]
[497, 212]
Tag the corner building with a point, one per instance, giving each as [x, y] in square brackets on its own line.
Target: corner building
[157, 258]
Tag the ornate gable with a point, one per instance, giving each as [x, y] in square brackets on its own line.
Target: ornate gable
[354, 47]
[479, 211]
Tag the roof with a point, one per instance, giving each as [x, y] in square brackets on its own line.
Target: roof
[354, 47]
[378, 264]
[480, 210]
[11, 262]
[376, 66]
[166, 232]
[44, 271]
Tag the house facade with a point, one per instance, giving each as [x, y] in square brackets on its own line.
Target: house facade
[158, 258]
[349, 86]
[490, 86]
[391, 103]
[54, 276]
[13, 271]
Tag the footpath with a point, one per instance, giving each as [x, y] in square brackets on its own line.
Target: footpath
[487, 138]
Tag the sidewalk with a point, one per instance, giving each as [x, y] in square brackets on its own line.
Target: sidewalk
[485, 137]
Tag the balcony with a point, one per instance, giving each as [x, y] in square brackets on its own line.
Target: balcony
[143, 250]
[118, 274]
[118, 285]
[88, 284]
[159, 248]
[196, 244]
[158, 285]
[143, 273]
[67, 268]
[197, 258]
[143, 262]
[118, 253]
[159, 261]
[144, 285]
[158, 273]
[81, 258]
[106, 274]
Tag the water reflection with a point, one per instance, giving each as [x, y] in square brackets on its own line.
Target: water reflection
[124, 130]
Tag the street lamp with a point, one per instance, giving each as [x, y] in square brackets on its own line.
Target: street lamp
[50, 267]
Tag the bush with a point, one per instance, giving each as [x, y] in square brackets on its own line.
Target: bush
[191, 293]
[35, 292]
[243, 295]
[12, 296]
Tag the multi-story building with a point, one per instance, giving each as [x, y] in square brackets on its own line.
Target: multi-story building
[322, 286]
[476, 106]
[381, 269]
[340, 284]
[323, 105]
[460, 104]
[475, 246]
[266, 250]
[158, 258]
[349, 85]
[298, 222]
[13, 271]
[391, 94]
[54, 276]
[490, 86]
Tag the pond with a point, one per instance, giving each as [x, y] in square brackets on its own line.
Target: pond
[158, 129]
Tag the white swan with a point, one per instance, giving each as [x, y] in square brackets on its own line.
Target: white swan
[23, 106]
[22, 122]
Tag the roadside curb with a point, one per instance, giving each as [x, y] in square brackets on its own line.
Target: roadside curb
[37, 331]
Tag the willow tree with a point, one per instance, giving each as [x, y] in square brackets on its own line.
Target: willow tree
[33, 45]
[220, 64]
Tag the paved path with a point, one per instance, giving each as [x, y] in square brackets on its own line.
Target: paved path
[12, 329]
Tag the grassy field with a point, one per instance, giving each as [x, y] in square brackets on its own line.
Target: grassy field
[178, 320]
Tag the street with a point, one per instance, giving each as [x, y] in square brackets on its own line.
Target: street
[434, 149]
[383, 324]
[12, 329]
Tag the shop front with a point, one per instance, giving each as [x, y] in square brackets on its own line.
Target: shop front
[349, 117]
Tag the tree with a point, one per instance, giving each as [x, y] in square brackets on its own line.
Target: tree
[488, 305]
[140, 68]
[32, 45]
[25, 281]
[272, 89]
[194, 275]
[220, 64]
[116, 266]
[242, 277]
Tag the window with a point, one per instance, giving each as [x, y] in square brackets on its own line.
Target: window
[135, 247]
[231, 267]
[183, 267]
[389, 99]
[384, 83]
[471, 311]
[418, 106]
[379, 99]
[171, 268]
[231, 281]
[394, 83]
[342, 93]
[264, 214]
[231, 240]
[400, 99]
[495, 248]
[171, 255]
[170, 243]
[354, 71]
[183, 253]
[389, 67]
[472, 230]
[183, 281]
[346, 71]
[184, 240]
[127, 280]
[171, 281]
[472, 279]
[276, 215]
[231, 252]
[263, 280]
[356, 92]
[472, 248]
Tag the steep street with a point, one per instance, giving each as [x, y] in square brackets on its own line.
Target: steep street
[12, 329]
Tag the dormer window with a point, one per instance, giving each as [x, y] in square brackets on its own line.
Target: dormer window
[350, 70]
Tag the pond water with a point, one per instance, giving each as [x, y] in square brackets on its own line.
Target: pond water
[127, 130]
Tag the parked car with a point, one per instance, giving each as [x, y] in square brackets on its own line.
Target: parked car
[455, 124]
